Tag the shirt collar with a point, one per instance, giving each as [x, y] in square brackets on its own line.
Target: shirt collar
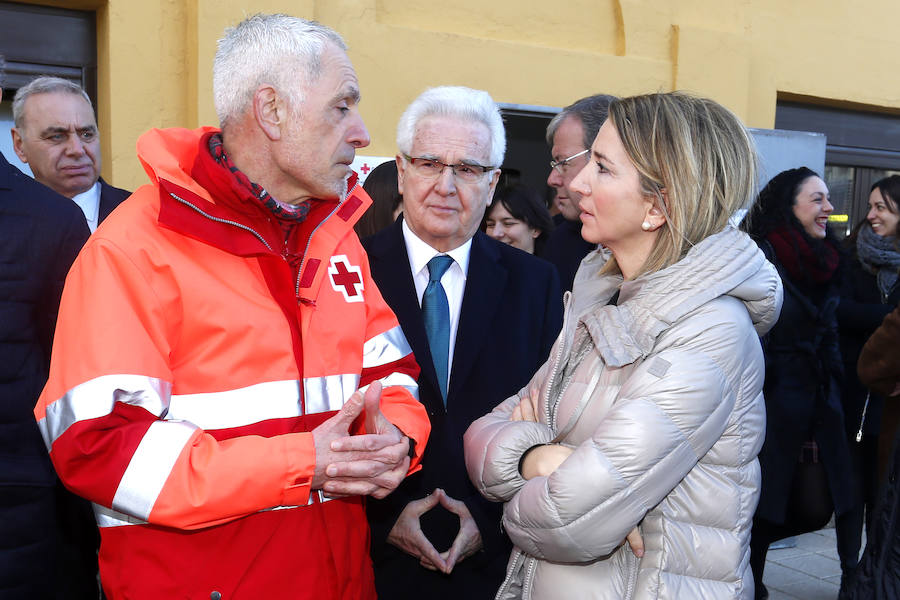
[420, 252]
[89, 202]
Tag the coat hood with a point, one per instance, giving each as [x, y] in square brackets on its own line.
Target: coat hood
[728, 263]
[170, 154]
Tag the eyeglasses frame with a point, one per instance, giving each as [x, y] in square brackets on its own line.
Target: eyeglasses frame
[484, 168]
[560, 164]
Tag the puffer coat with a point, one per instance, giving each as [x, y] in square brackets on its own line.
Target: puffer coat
[660, 396]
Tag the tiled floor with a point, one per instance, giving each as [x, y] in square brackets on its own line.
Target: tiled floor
[810, 571]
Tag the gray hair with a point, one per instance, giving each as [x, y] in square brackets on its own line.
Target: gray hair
[591, 111]
[454, 101]
[275, 49]
[44, 85]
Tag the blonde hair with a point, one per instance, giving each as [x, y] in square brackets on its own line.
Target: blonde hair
[695, 157]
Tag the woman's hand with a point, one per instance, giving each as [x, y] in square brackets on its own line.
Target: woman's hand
[543, 460]
[526, 410]
[636, 542]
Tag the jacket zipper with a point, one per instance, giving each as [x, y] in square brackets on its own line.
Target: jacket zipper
[309, 241]
[530, 566]
[261, 238]
[225, 221]
[632, 577]
[509, 575]
[550, 414]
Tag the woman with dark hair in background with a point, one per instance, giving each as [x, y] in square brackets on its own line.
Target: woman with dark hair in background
[805, 460]
[381, 185]
[518, 217]
[869, 291]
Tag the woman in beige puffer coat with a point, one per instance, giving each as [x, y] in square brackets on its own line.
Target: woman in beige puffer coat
[649, 411]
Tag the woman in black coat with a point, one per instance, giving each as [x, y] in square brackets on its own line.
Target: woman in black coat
[869, 291]
[805, 460]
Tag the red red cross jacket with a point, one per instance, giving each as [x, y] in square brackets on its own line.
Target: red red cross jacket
[194, 353]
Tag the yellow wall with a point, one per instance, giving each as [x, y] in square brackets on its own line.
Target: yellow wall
[155, 57]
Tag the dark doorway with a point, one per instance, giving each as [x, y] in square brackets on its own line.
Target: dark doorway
[527, 154]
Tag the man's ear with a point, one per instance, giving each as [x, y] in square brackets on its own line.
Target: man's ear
[17, 145]
[269, 111]
[495, 177]
[401, 172]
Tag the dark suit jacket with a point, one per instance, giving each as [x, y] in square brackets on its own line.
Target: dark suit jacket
[565, 249]
[511, 314]
[41, 232]
[110, 197]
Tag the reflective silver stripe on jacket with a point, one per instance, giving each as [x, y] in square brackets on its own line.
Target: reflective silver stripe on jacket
[107, 517]
[385, 348]
[214, 410]
[150, 466]
[328, 393]
[96, 398]
[401, 380]
[236, 408]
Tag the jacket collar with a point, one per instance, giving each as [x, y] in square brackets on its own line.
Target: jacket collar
[220, 217]
[6, 173]
[727, 263]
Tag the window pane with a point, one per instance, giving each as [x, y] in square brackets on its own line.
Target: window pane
[839, 180]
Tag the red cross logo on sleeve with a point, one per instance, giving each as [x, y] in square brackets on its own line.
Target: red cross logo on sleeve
[345, 278]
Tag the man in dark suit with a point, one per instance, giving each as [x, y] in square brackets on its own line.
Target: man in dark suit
[569, 135]
[480, 316]
[56, 134]
[42, 233]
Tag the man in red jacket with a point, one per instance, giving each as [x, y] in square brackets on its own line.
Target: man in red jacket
[227, 383]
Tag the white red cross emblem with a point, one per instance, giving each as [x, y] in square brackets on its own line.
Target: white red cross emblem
[345, 278]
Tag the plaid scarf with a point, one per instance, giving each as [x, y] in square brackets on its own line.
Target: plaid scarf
[288, 214]
[879, 256]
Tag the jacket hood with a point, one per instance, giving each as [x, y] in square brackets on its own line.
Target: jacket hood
[728, 263]
[169, 155]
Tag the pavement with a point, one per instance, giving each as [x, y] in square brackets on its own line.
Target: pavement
[809, 571]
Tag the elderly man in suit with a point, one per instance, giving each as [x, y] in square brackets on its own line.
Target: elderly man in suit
[56, 134]
[480, 316]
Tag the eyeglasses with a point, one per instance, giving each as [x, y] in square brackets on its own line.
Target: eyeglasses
[429, 168]
[560, 165]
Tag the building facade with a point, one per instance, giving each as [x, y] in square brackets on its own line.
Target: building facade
[758, 57]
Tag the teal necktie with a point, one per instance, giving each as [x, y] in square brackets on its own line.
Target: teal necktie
[436, 313]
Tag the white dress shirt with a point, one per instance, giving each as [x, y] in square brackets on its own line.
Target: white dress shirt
[89, 203]
[453, 280]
